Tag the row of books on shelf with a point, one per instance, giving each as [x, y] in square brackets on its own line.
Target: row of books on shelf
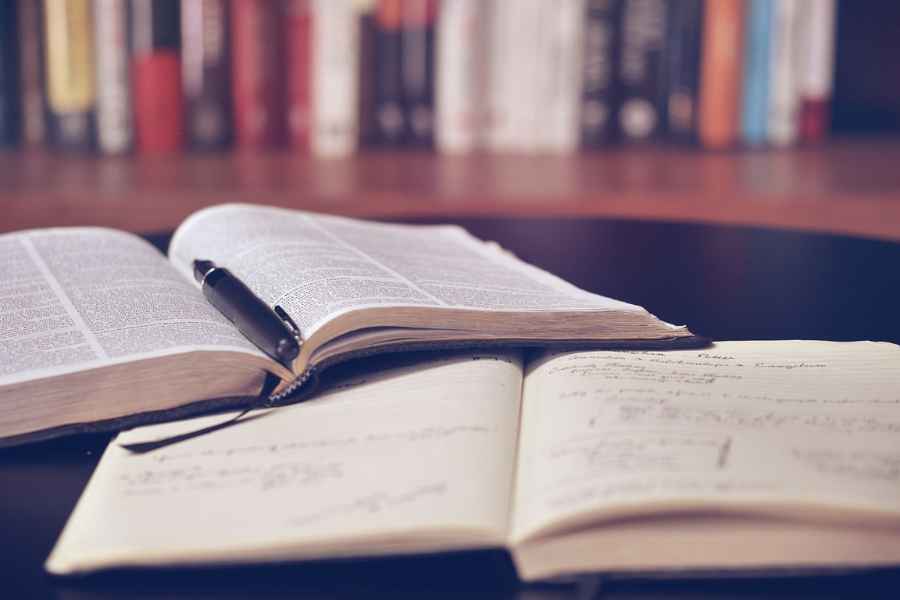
[329, 76]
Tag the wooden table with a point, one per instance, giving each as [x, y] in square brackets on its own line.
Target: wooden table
[726, 282]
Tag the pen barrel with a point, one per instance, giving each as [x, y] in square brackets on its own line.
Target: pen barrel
[253, 317]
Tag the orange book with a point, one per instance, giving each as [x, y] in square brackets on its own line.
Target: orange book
[720, 73]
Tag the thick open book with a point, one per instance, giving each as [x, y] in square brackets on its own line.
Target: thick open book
[748, 455]
[98, 329]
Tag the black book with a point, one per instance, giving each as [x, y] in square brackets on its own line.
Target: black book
[368, 51]
[600, 76]
[389, 113]
[206, 71]
[9, 75]
[418, 71]
[642, 69]
[685, 26]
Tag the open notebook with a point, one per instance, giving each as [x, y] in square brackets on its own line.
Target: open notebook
[749, 455]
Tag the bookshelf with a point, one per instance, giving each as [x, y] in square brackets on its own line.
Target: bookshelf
[848, 186]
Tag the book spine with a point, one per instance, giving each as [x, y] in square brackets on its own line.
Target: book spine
[298, 45]
[685, 23]
[461, 77]
[600, 85]
[9, 76]
[784, 96]
[389, 73]
[417, 71]
[563, 31]
[754, 112]
[156, 76]
[817, 73]
[720, 73]
[205, 73]
[366, 78]
[502, 58]
[257, 78]
[115, 129]
[642, 68]
[525, 89]
[31, 72]
[69, 70]
[335, 78]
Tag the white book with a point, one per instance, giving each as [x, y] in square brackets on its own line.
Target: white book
[501, 59]
[784, 96]
[559, 90]
[463, 30]
[527, 70]
[115, 125]
[335, 86]
[817, 47]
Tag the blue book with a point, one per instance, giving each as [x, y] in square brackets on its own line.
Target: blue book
[754, 117]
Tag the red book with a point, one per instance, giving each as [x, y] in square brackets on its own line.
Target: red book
[299, 72]
[257, 81]
[156, 76]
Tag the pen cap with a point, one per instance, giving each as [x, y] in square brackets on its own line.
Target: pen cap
[201, 268]
[253, 317]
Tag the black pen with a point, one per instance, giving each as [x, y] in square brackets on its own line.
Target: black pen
[273, 331]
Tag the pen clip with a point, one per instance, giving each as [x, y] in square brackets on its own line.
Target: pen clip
[282, 314]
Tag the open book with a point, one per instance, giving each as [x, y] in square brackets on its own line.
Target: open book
[747, 455]
[98, 329]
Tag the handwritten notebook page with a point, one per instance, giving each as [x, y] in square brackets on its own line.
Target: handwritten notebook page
[810, 429]
[416, 459]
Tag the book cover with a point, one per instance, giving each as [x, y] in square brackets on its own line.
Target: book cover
[205, 73]
[9, 76]
[156, 75]
[641, 114]
[754, 106]
[389, 110]
[31, 72]
[600, 75]
[69, 72]
[417, 70]
[335, 87]
[817, 73]
[115, 127]
[258, 88]
[684, 30]
[298, 44]
[784, 67]
[720, 73]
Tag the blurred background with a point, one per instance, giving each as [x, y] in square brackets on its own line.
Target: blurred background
[135, 113]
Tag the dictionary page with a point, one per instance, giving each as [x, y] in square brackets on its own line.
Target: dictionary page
[414, 458]
[77, 298]
[318, 267]
[797, 429]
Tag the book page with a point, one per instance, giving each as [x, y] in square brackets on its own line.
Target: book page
[317, 266]
[786, 425]
[413, 458]
[72, 299]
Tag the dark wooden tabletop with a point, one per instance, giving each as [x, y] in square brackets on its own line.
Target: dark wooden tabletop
[725, 282]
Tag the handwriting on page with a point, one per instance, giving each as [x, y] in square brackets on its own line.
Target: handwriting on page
[860, 464]
[341, 442]
[201, 478]
[373, 503]
[795, 420]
